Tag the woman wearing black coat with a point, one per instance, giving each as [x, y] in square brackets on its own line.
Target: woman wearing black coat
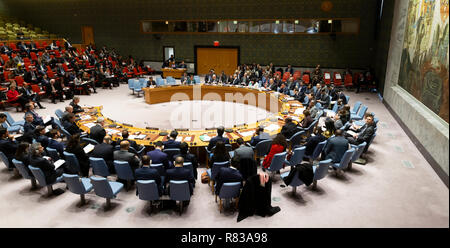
[74, 147]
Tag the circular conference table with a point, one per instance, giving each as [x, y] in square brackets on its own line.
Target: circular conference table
[281, 105]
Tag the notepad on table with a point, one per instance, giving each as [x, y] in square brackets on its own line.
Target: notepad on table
[140, 137]
[58, 163]
[132, 137]
[179, 139]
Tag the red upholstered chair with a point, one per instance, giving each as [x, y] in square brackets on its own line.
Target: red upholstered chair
[327, 77]
[337, 79]
[348, 80]
[19, 80]
[36, 89]
[305, 78]
[33, 56]
[13, 47]
[278, 72]
[66, 68]
[297, 74]
[286, 76]
[88, 66]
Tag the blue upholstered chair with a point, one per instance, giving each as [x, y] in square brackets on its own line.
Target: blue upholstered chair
[297, 156]
[316, 153]
[24, 172]
[262, 148]
[277, 162]
[179, 191]
[147, 191]
[72, 162]
[131, 84]
[229, 190]
[355, 109]
[99, 167]
[212, 172]
[360, 115]
[296, 139]
[124, 172]
[5, 161]
[39, 175]
[106, 189]
[11, 122]
[345, 160]
[59, 113]
[53, 153]
[89, 141]
[320, 171]
[171, 152]
[77, 185]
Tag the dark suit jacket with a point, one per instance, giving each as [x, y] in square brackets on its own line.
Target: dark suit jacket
[364, 133]
[289, 129]
[180, 173]
[8, 147]
[213, 141]
[97, 133]
[312, 143]
[72, 128]
[56, 145]
[256, 139]
[104, 151]
[171, 144]
[82, 157]
[37, 120]
[148, 173]
[129, 157]
[46, 166]
[44, 140]
[159, 157]
[335, 148]
[307, 122]
[28, 127]
[226, 175]
[76, 108]
[191, 158]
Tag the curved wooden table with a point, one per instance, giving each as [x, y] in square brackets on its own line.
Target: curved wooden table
[284, 107]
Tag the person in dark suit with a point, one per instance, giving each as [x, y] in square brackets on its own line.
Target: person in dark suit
[299, 95]
[258, 136]
[188, 157]
[324, 99]
[220, 154]
[106, 151]
[308, 120]
[364, 133]
[74, 103]
[74, 147]
[290, 69]
[37, 120]
[47, 167]
[313, 141]
[7, 145]
[172, 143]
[219, 137]
[289, 128]
[54, 91]
[28, 126]
[340, 96]
[148, 173]
[159, 157]
[54, 143]
[23, 155]
[39, 134]
[70, 125]
[180, 173]
[97, 132]
[336, 147]
[27, 92]
[124, 155]
[151, 82]
[133, 143]
[227, 175]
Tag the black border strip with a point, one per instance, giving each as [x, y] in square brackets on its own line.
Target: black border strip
[436, 167]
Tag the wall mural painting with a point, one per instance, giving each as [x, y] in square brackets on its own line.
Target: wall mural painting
[424, 64]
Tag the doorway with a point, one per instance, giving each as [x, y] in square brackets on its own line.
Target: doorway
[218, 58]
[87, 33]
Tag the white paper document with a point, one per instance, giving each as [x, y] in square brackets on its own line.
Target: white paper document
[89, 125]
[299, 111]
[248, 133]
[47, 119]
[327, 75]
[272, 127]
[179, 139]
[338, 76]
[187, 139]
[88, 148]
[85, 117]
[132, 137]
[140, 137]
[58, 163]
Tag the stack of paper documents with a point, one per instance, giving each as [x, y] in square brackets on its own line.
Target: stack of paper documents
[248, 133]
[47, 119]
[299, 111]
[89, 125]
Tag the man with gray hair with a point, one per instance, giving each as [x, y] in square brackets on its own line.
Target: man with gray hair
[106, 151]
[97, 132]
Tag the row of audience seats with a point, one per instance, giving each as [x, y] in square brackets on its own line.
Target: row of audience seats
[10, 27]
